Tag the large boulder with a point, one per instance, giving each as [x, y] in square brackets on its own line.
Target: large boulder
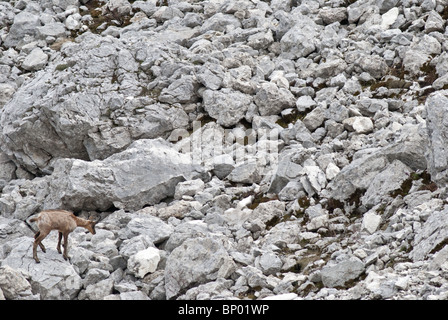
[145, 173]
[92, 101]
[25, 23]
[301, 39]
[432, 237]
[338, 275]
[409, 149]
[53, 279]
[196, 261]
[13, 283]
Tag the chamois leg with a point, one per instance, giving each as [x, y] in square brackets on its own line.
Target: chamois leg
[65, 246]
[59, 242]
[41, 245]
[39, 237]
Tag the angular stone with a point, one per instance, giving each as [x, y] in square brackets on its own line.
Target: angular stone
[385, 182]
[338, 275]
[35, 60]
[196, 261]
[300, 40]
[13, 284]
[358, 124]
[188, 188]
[371, 221]
[25, 23]
[271, 99]
[432, 237]
[434, 23]
[331, 15]
[53, 278]
[227, 106]
[182, 90]
[147, 172]
[245, 173]
[55, 30]
[144, 262]
[304, 103]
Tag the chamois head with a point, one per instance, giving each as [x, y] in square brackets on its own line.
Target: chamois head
[91, 227]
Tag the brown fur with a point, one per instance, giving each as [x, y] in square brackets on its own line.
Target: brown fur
[63, 221]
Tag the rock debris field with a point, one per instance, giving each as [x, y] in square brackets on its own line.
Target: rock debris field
[248, 149]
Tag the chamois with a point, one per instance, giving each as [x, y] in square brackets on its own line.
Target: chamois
[61, 220]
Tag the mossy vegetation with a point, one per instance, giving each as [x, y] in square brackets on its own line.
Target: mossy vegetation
[152, 93]
[261, 198]
[61, 67]
[395, 81]
[103, 15]
[406, 186]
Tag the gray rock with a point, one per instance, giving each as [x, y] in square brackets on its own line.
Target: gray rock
[434, 22]
[55, 30]
[223, 165]
[146, 225]
[119, 179]
[54, 278]
[339, 274]
[374, 65]
[13, 283]
[182, 90]
[36, 60]
[260, 40]
[212, 290]
[133, 295]
[409, 149]
[25, 23]
[331, 15]
[437, 155]
[247, 172]
[304, 103]
[227, 106]
[385, 182]
[356, 176]
[271, 99]
[330, 68]
[188, 188]
[315, 179]
[431, 237]
[6, 92]
[269, 263]
[414, 60]
[299, 133]
[185, 231]
[371, 221]
[144, 262]
[211, 76]
[220, 22]
[386, 5]
[196, 261]
[12, 228]
[79, 114]
[300, 40]
[99, 290]
[314, 119]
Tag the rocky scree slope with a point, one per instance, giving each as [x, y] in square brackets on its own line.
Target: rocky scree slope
[231, 150]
